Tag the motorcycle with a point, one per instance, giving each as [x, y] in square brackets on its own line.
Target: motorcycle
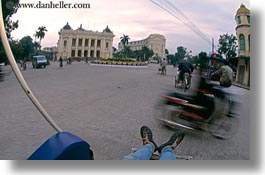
[186, 82]
[162, 70]
[210, 109]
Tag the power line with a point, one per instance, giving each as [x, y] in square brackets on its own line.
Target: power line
[173, 10]
[189, 21]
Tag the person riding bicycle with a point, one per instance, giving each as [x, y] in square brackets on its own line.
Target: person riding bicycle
[184, 67]
[163, 66]
[166, 150]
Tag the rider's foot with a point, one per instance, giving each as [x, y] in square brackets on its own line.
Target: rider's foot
[147, 137]
[173, 142]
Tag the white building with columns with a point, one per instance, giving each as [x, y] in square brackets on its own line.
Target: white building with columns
[155, 42]
[83, 43]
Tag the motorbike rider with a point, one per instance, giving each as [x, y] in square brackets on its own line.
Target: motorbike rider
[163, 65]
[226, 73]
[184, 67]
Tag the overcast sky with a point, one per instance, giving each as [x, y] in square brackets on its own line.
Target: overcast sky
[137, 19]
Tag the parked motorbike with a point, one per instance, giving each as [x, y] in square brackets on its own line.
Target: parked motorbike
[210, 109]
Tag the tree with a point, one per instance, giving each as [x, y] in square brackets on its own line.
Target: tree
[203, 60]
[17, 50]
[36, 46]
[146, 53]
[166, 52]
[125, 39]
[27, 45]
[114, 49]
[172, 59]
[181, 53]
[127, 51]
[9, 8]
[41, 33]
[227, 45]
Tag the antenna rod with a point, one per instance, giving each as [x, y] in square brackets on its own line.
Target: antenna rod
[212, 45]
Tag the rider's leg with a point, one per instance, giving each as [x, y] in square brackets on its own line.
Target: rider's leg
[166, 150]
[147, 150]
[167, 153]
[143, 153]
[181, 73]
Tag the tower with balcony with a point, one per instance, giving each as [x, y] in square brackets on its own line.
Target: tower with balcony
[243, 36]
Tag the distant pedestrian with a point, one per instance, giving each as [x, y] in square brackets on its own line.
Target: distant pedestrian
[24, 64]
[61, 62]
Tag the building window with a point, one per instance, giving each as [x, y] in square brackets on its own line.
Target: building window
[107, 45]
[248, 19]
[79, 53]
[80, 42]
[73, 53]
[98, 54]
[85, 53]
[92, 43]
[86, 42]
[65, 43]
[242, 42]
[74, 42]
[239, 20]
[92, 53]
[98, 43]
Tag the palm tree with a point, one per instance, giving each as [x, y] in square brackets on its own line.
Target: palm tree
[36, 35]
[125, 39]
[41, 33]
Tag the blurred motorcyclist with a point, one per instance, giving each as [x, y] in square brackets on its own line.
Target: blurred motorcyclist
[163, 66]
[184, 67]
[226, 73]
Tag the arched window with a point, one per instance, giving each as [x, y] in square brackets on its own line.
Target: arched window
[239, 19]
[242, 42]
[248, 17]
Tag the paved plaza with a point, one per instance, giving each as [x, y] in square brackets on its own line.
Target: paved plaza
[106, 106]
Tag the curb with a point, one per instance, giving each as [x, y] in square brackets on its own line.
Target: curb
[241, 86]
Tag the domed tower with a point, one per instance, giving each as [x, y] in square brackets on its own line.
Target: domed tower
[243, 36]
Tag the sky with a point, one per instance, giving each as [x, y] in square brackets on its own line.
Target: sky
[137, 19]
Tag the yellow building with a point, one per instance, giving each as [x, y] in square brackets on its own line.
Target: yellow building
[243, 36]
[83, 43]
[155, 42]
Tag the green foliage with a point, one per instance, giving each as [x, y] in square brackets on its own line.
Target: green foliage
[27, 46]
[203, 59]
[9, 8]
[125, 39]
[227, 45]
[142, 55]
[180, 54]
[40, 34]
[167, 52]
[172, 59]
